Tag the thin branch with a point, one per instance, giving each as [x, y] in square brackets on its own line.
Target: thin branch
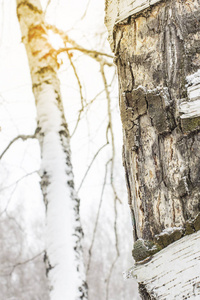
[87, 105]
[110, 129]
[77, 78]
[90, 165]
[80, 91]
[48, 3]
[77, 121]
[23, 137]
[22, 263]
[117, 250]
[97, 55]
[9, 200]
[20, 179]
[91, 53]
[97, 217]
[85, 12]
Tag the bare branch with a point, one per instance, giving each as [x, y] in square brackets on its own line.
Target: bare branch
[23, 137]
[20, 179]
[48, 3]
[77, 122]
[110, 129]
[97, 217]
[91, 53]
[87, 105]
[85, 12]
[117, 251]
[90, 165]
[22, 263]
[9, 200]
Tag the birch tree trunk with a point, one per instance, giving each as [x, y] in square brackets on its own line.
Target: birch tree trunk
[63, 257]
[157, 52]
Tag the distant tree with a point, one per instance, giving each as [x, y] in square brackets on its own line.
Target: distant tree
[22, 271]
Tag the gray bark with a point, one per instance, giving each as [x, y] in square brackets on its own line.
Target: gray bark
[157, 53]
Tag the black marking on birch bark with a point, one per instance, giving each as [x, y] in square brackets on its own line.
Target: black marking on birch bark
[30, 6]
[49, 267]
[37, 32]
[145, 295]
[44, 183]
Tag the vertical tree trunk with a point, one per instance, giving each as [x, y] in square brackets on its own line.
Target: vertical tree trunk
[63, 253]
[157, 53]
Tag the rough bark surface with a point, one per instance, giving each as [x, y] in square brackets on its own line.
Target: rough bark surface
[63, 256]
[157, 53]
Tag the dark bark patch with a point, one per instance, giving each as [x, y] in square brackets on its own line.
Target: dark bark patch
[30, 6]
[190, 124]
[197, 222]
[145, 295]
[160, 112]
[165, 239]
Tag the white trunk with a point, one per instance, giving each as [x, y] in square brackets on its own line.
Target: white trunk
[63, 257]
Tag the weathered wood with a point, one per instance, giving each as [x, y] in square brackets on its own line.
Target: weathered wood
[161, 139]
[120, 10]
[157, 53]
[172, 273]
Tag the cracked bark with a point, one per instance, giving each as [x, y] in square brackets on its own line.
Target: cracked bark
[156, 50]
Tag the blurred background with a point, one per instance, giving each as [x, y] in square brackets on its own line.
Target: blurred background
[106, 220]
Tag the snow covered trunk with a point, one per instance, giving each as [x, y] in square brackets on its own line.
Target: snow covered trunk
[157, 53]
[63, 256]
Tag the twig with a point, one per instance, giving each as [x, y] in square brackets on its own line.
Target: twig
[91, 53]
[10, 199]
[85, 12]
[22, 263]
[48, 3]
[77, 78]
[23, 137]
[20, 179]
[110, 129]
[117, 251]
[97, 217]
[90, 165]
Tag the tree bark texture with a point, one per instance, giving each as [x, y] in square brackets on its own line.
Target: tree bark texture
[157, 53]
[63, 256]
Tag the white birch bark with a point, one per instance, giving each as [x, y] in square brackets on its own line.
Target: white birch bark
[172, 273]
[63, 256]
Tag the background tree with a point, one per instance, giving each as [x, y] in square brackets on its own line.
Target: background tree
[156, 46]
[102, 229]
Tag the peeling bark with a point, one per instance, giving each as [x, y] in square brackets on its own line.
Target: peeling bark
[157, 53]
[63, 257]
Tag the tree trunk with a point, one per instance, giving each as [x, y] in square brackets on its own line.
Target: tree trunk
[63, 249]
[157, 53]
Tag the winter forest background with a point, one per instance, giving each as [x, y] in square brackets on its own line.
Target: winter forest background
[106, 221]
